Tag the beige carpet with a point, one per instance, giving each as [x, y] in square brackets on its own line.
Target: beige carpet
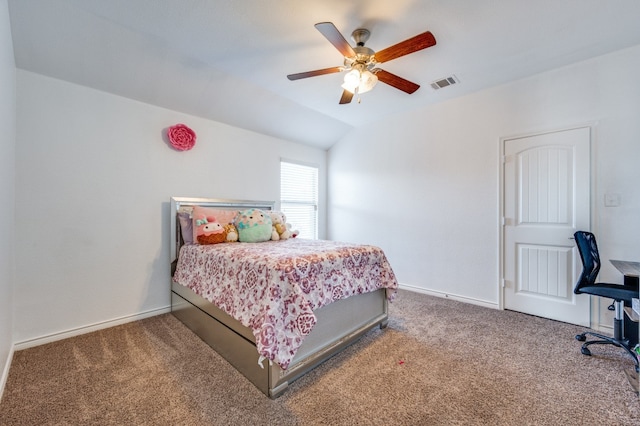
[439, 362]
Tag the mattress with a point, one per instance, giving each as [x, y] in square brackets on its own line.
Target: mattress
[274, 287]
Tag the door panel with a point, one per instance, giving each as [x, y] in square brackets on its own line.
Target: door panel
[546, 199]
[545, 271]
[543, 179]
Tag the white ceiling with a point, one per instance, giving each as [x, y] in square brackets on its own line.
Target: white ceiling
[228, 60]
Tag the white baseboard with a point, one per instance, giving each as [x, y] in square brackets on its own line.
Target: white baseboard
[88, 328]
[603, 328]
[5, 372]
[485, 303]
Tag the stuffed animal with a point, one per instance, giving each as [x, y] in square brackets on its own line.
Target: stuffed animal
[274, 233]
[253, 225]
[281, 229]
[209, 231]
[232, 233]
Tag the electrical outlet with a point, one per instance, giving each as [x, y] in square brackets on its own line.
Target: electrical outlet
[611, 200]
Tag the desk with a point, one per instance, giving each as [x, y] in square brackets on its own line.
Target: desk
[631, 272]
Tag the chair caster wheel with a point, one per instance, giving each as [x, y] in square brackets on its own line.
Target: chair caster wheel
[585, 351]
[581, 337]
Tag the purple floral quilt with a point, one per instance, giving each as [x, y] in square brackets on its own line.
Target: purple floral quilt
[274, 287]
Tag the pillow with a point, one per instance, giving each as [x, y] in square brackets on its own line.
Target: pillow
[208, 224]
[186, 227]
[254, 226]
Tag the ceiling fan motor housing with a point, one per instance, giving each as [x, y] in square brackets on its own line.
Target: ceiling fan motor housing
[364, 56]
[360, 36]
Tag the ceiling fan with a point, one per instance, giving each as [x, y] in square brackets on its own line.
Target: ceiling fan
[360, 62]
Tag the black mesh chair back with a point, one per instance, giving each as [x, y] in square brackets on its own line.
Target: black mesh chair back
[588, 249]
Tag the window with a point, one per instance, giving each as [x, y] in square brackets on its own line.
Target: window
[299, 197]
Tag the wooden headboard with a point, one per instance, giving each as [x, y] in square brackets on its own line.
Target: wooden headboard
[185, 203]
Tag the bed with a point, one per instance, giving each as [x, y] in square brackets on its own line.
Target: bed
[273, 321]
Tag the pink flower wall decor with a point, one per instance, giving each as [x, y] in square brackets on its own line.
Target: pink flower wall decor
[181, 137]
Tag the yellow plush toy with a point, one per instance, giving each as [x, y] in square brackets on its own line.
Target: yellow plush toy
[232, 233]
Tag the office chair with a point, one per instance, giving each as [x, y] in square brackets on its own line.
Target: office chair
[620, 294]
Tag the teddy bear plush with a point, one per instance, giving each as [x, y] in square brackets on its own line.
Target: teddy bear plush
[232, 233]
[281, 229]
[254, 226]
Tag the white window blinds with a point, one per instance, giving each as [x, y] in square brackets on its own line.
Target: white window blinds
[299, 197]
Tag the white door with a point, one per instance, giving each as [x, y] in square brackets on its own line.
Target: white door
[546, 199]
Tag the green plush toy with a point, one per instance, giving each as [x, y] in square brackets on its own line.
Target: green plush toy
[254, 226]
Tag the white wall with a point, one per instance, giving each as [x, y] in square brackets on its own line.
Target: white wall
[425, 185]
[94, 175]
[7, 181]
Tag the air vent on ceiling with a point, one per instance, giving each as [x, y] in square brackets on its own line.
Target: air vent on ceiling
[448, 81]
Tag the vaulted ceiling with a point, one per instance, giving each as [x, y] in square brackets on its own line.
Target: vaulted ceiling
[228, 60]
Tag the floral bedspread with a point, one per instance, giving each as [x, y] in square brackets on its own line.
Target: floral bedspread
[274, 287]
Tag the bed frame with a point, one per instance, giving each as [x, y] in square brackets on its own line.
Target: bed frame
[339, 324]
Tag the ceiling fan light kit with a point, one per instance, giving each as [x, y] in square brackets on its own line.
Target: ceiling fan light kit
[360, 62]
[359, 80]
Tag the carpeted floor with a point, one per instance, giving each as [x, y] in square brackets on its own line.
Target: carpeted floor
[439, 362]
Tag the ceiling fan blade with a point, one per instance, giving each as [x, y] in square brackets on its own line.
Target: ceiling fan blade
[397, 82]
[419, 42]
[307, 74]
[346, 97]
[333, 35]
